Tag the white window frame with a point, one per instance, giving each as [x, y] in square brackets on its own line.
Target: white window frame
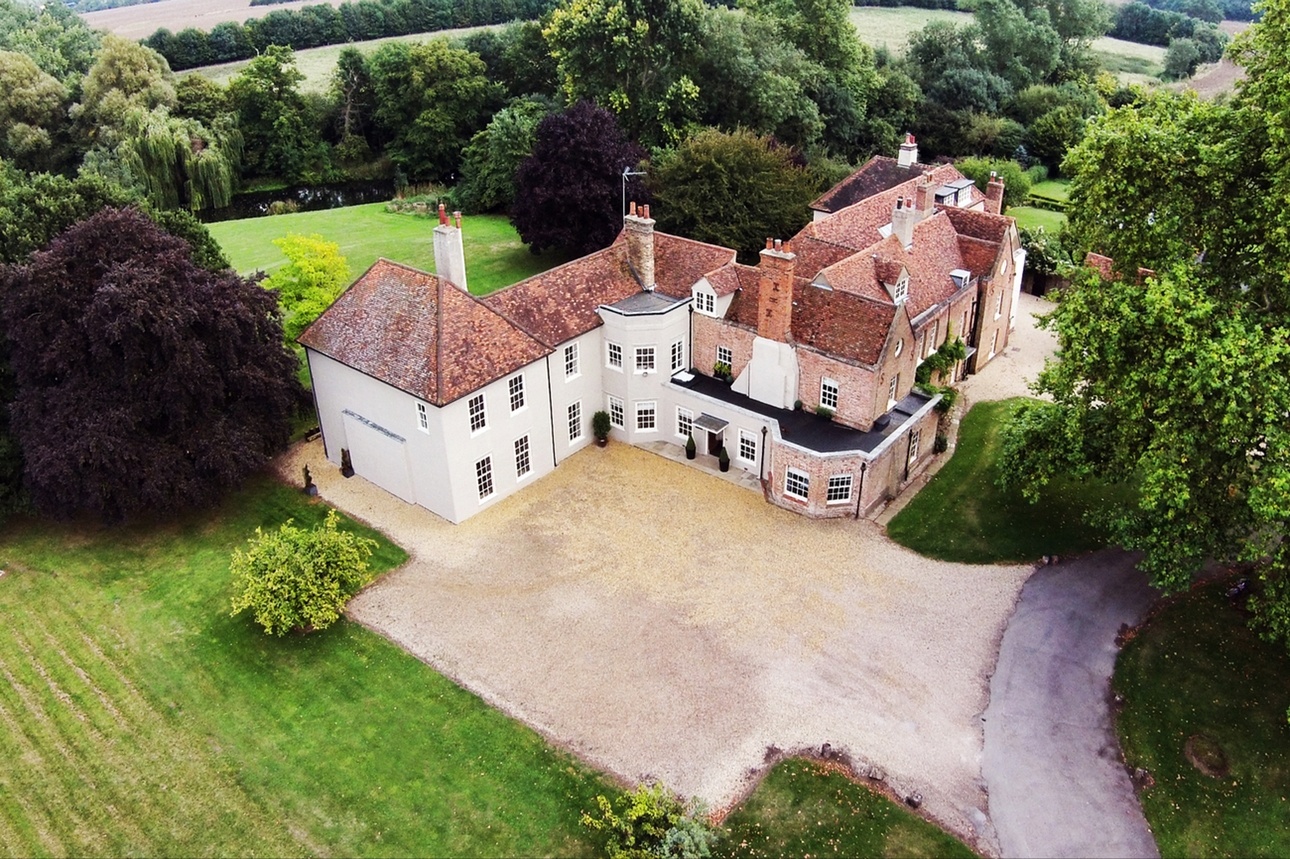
[645, 360]
[515, 388]
[614, 356]
[998, 310]
[684, 422]
[792, 476]
[643, 408]
[994, 344]
[574, 424]
[477, 409]
[572, 368]
[423, 418]
[915, 439]
[936, 332]
[726, 356]
[523, 458]
[484, 478]
[900, 347]
[836, 484]
[617, 414]
[893, 388]
[678, 356]
[900, 292]
[747, 446]
[705, 302]
[830, 394]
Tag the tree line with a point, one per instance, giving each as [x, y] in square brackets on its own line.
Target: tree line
[324, 24]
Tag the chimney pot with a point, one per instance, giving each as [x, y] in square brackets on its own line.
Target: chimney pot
[778, 244]
[456, 216]
[770, 243]
[443, 215]
[633, 208]
[645, 211]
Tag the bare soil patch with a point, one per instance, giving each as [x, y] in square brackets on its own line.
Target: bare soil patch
[1206, 755]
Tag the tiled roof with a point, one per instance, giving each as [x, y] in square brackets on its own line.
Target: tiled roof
[978, 255]
[879, 174]
[978, 225]
[729, 278]
[560, 304]
[842, 324]
[420, 334]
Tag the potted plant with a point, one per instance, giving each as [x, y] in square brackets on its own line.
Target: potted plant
[690, 448]
[346, 466]
[600, 427]
[723, 459]
[721, 370]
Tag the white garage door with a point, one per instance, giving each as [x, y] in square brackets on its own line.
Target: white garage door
[378, 455]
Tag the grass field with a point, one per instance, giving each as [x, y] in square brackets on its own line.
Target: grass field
[1197, 672]
[495, 256]
[1031, 217]
[318, 64]
[964, 515]
[804, 809]
[892, 26]
[1056, 189]
[138, 718]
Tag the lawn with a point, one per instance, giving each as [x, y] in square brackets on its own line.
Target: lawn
[802, 808]
[892, 26]
[138, 718]
[1054, 189]
[1197, 672]
[495, 256]
[964, 515]
[1031, 217]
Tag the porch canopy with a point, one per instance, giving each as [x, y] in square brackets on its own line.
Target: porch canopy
[707, 422]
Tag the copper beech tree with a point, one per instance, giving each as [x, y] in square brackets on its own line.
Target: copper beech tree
[143, 382]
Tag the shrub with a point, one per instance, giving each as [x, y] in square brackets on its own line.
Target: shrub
[600, 424]
[824, 412]
[298, 579]
[651, 822]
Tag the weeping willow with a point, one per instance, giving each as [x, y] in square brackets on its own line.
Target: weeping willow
[179, 162]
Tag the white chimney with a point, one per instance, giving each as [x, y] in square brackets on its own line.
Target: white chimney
[449, 255]
[903, 218]
[908, 153]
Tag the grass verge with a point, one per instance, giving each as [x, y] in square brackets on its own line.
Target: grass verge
[1196, 670]
[803, 808]
[139, 718]
[963, 515]
[495, 256]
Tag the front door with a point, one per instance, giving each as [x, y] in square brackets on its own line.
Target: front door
[715, 441]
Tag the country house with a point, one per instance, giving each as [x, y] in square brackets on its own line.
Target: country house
[802, 367]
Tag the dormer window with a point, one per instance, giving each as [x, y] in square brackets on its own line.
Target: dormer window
[900, 291]
[705, 302]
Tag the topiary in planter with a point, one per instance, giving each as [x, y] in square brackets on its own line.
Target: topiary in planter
[600, 427]
[690, 448]
[723, 459]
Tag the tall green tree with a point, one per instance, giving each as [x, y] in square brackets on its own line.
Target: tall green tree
[632, 57]
[733, 190]
[278, 131]
[33, 108]
[1180, 377]
[430, 99]
[126, 76]
[494, 154]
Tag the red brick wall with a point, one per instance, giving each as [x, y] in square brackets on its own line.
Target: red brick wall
[856, 386]
[709, 333]
[1000, 283]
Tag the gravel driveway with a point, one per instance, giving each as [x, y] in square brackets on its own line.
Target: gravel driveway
[660, 622]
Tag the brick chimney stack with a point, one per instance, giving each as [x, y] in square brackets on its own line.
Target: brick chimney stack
[925, 198]
[449, 255]
[903, 218]
[908, 153]
[994, 194]
[775, 293]
[639, 227]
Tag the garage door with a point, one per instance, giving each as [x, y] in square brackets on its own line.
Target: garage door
[378, 455]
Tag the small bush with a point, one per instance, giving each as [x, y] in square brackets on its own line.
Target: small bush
[824, 412]
[651, 822]
[283, 207]
[294, 579]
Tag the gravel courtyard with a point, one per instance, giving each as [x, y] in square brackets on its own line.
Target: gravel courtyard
[658, 621]
[661, 622]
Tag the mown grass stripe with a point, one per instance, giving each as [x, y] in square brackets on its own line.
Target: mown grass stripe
[29, 825]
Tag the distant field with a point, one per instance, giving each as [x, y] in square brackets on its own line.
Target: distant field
[317, 64]
[892, 27]
[495, 256]
[138, 22]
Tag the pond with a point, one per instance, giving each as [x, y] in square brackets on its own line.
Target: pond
[307, 197]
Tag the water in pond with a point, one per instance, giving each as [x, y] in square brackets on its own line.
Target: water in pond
[308, 198]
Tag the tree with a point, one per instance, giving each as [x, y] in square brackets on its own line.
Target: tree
[1181, 59]
[279, 136]
[126, 76]
[143, 382]
[632, 57]
[732, 190]
[494, 154]
[1179, 378]
[315, 276]
[351, 89]
[569, 190]
[651, 821]
[430, 99]
[1016, 184]
[293, 579]
[54, 37]
[32, 113]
